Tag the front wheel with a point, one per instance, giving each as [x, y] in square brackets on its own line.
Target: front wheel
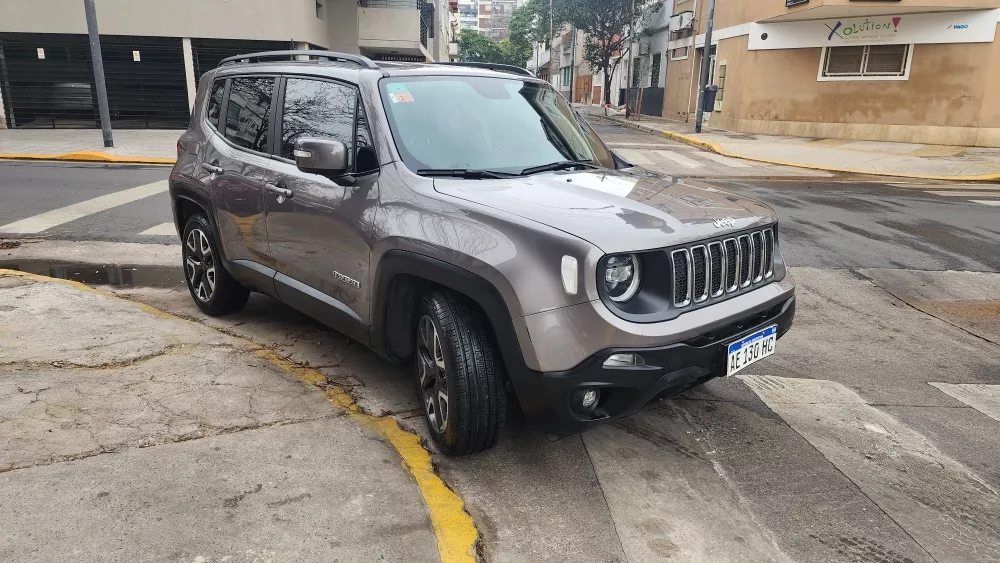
[212, 288]
[459, 374]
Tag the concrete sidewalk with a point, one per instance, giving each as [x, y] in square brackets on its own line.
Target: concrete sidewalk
[930, 162]
[136, 146]
[131, 434]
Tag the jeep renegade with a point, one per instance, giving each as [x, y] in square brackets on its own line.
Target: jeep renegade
[465, 220]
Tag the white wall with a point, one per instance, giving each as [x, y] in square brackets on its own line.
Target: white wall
[278, 20]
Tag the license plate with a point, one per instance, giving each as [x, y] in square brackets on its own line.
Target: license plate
[751, 349]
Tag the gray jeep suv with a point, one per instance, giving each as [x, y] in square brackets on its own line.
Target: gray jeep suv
[464, 219]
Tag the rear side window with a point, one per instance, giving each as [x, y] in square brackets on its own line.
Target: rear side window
[215, 102]
[247, 112]
[317, 109]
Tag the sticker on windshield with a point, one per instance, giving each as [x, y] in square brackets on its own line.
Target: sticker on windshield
[398, 94]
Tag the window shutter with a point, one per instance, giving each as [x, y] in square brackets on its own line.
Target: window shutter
[886, 60]
[844, 61]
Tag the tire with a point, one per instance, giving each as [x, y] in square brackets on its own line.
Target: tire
[202, 263]
[455, 353]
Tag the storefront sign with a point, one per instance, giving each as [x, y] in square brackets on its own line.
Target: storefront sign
[943, 27]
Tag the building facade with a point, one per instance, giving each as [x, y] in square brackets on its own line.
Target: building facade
[494, 17]
[915, 71]
[154, 52]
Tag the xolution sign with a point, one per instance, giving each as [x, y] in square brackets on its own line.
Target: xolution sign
[942, 27]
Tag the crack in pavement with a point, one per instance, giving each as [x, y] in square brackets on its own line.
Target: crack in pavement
[205, 432]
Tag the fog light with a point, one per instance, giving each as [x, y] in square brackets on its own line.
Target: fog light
[585, 400]
[624, 361]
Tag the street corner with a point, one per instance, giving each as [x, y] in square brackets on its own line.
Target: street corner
[112, 407]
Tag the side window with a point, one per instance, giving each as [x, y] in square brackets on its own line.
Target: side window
[215, 102]
[318, 109]
[367, 159]
[246, 114]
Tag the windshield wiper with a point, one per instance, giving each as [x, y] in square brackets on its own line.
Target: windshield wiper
[462, 173]
[564, 165]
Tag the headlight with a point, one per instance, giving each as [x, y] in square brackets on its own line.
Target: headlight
[622, 276]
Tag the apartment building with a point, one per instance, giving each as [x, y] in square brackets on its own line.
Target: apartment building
[916, 71]
[154, 52]
[494, 17]
[468, 11]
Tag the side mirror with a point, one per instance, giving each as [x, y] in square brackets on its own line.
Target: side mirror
[321, 156]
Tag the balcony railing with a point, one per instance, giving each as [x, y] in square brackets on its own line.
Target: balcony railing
[402, 4]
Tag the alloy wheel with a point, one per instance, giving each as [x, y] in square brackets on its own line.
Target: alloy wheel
[433, 375]
[199, 265]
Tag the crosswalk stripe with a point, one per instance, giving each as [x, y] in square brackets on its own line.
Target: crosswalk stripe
[993, 202]
[951, 193]
[635, 157]
[56, 217]
[895, 466]
[983, 398]
[725, 160]
[679, 159]
[643, 145]
[164, 229]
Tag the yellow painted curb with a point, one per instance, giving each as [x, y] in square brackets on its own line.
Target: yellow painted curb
[89, 156]
[713, 147]
[454, 529]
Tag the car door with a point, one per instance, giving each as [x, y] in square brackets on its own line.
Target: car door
[319, 228]
[234, 163]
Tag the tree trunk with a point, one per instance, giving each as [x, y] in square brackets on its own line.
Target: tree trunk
[638, 104]
[607, 87]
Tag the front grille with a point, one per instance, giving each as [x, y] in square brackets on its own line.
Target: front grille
[720, 268]
[682, 277]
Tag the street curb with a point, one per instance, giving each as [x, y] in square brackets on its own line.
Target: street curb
[89, 156]
[454, 529]
[713, 147]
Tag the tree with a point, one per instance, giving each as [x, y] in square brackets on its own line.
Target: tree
[474, 47]
[609, 30]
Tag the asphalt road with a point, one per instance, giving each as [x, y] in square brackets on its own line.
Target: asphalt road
[869, 437]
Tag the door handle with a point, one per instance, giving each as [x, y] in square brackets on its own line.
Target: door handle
[283, 192]
[212, 168]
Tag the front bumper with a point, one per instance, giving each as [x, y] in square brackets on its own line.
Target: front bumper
[546, 397]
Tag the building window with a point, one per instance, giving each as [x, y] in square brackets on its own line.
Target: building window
[866, 62]
[567, 72]
[679, 54]
[654, 72]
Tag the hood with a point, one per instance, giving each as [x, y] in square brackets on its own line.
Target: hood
[615, 210]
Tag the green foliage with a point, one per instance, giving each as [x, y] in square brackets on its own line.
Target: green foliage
[474, 47]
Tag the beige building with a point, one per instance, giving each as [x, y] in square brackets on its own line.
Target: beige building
[917, 71]
[154, 52]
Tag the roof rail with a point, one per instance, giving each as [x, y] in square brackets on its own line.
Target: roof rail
[493, 66]
[328, 55]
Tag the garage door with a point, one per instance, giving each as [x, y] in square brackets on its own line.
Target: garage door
[48, 81]
[208, 53]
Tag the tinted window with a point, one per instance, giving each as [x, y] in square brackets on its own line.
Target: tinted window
[215, 102]
[246, 115]
[501, 124]
[317, 109]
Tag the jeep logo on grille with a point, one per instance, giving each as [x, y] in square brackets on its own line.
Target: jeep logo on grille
[725, 222]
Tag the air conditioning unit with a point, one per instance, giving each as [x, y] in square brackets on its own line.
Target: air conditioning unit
[681, 21]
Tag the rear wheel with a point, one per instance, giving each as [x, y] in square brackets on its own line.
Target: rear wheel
[212, 288]
[460, 380]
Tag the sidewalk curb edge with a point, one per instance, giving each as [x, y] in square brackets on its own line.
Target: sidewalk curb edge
[713, 147]
[89, 156]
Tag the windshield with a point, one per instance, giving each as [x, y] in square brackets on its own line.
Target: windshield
[479, 123]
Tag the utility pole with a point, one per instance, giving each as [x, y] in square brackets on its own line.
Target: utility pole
[552, 53]
[572, 65]
[706, 58]
[628, 86]
[102, 87]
